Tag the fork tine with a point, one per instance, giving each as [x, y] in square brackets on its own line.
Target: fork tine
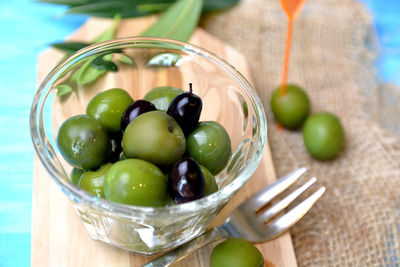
[291, 217]
[264, 196]
[281, 205]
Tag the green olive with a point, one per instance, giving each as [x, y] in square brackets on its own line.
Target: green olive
[83, 142]
[209, 144]
[236, 252]
[93, 181]
[291, 109]
[162, 96]
[211, 186]
[136, 182]
[108, 107]
[76, 174]
[323, 135]
[155, 137]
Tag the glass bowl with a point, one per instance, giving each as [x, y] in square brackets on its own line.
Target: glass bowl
[143, 64]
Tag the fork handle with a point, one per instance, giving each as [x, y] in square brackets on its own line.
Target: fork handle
[186, 249]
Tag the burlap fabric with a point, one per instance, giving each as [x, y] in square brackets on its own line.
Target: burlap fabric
[357, 222]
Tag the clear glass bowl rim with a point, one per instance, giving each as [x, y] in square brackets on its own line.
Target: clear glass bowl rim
[40, 141]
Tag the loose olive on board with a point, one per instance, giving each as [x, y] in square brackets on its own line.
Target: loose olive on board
[83, 142]
[323, 135]
[162, 96]
[236, 252]
[136, 182]
[209, 145]
[210, 186]
[155, 137]
[107, 107]
[186, 181]
[93, 181]
[135, 109]
[76, 175]
[292, 108]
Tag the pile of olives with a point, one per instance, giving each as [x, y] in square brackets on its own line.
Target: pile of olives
[323, 132]
[148, 152]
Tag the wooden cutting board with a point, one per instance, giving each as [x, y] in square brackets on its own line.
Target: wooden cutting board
[58, 237]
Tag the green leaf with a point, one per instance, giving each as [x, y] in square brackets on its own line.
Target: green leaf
[127, 8]
[178, 21]
[91, 70]
[110, 32]
[130, 8]
[213, 5]
[126, 60]
[70, 47]
[63, 89]
[65, 2]
[102, 63]
[153, 7]
[87, 74]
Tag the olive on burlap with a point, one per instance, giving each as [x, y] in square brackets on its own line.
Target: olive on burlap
[292, 108]
[323, 135]
[356, 222]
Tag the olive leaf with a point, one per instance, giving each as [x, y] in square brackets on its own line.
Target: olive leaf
[213, 5]
[177, 22]
[102, 63]
[110, 32]
[63, 89]
[126, 60]
[109, 8]
[66, 2]
[87, 74]
[130, 8]
[153, 7]
[94, 68]
[69, 47]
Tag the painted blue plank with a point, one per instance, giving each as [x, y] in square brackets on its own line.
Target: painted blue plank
[13, 249]
[30, 27]
[387, 21]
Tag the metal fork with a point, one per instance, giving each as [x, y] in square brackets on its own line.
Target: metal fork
[249, 221]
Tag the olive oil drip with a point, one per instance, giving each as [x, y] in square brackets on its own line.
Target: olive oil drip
[292, 9]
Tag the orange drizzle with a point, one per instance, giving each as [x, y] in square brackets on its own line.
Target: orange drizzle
[292, 9]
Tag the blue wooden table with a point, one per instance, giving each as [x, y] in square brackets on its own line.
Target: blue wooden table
[387, 21]
[27, 29]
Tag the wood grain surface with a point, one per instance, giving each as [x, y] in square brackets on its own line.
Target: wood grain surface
[58, 236]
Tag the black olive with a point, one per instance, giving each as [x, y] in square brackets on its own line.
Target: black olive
[185, 109]
[135, 109]
[186, 181]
